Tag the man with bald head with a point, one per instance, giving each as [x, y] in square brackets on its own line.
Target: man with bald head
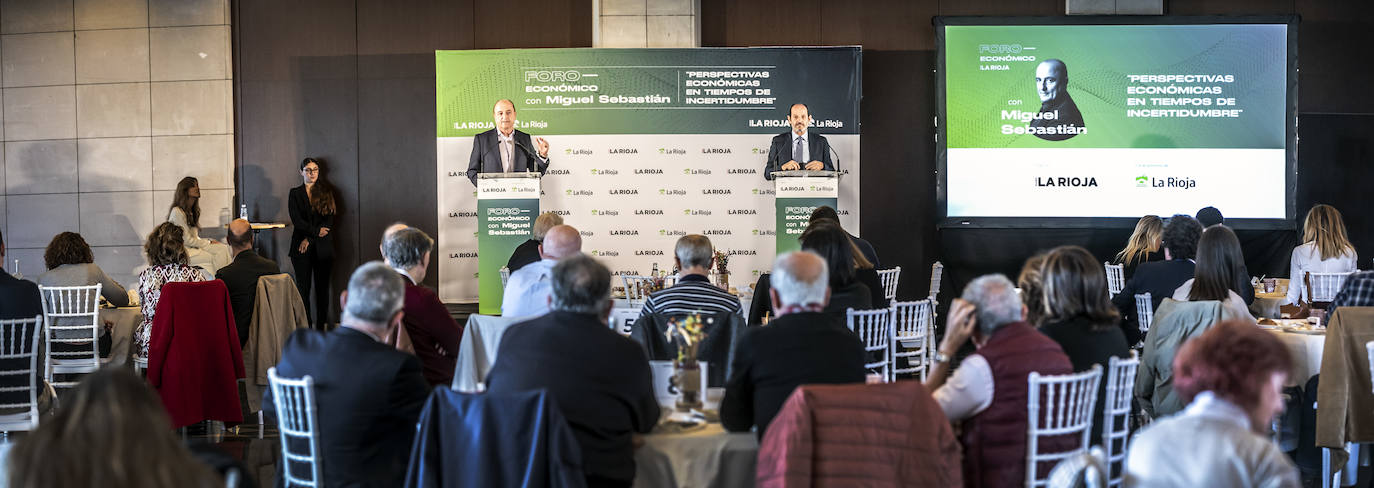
[1059, 118]
[798, 148]
[802, 346]
[527, 290]
[241, 275]
[506, 150]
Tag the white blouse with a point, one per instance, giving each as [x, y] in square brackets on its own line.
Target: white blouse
[1307, 259]
[192, 234]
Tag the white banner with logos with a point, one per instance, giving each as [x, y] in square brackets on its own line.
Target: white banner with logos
[633, 196]
[1122, 182]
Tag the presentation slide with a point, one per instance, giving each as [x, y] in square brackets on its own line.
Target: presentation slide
[1055, 121]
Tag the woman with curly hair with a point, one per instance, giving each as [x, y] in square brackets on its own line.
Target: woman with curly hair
[70, 263]
[114, 413]
[185, 213]
[167, 263]
[1232, 376]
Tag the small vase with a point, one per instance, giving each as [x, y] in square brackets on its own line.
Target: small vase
[723, 280]
[688, 375]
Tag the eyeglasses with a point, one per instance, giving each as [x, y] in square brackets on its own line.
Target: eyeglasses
[312, 170]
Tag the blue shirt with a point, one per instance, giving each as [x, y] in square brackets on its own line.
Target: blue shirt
[528, 289]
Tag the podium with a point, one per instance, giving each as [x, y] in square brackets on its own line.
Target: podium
[795, 195]
[507, 204]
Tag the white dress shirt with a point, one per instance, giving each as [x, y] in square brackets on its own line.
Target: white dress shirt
[528, 289]
[506, 143]
[806, 147]
[1209, 443]
[968, 391]
[1307, 259]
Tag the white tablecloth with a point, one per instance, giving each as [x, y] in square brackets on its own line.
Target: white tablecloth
[481, 339]
[1306, 350]
[706, 458]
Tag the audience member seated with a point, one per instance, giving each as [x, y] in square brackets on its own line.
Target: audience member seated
[1232, 376]
[988, 391]
[828, 213]
[185, 213]
[1219, 271]
[600, 380]
[527, 291]
[829, 241]
[693, 293]
[114, 413]
[1080, 318]
[528, 252]
[70, 263]
[433, 333]
[241, 275]
[1144, 245]
[167, 263]
[803, 345]
[1160, 278]
[1209, 216]
[1325, 249]
[368, 395]
[1031, 282]
[1358, 291]
[19, 299]
[866, 274]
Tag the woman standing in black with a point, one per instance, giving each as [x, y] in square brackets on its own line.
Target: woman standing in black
[312, 206]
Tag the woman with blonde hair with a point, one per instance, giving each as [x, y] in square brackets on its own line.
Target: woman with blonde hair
[1031, 284]
[1325, 249]
[1144, 244]
[114, 413]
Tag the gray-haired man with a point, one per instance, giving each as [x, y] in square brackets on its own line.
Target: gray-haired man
[368, 394]
[693, 292]
[599, 379]
[801, 346]
[1009, 349]
[433, 333]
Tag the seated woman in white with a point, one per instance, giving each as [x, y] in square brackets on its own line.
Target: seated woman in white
[1218, 272]
[185, 213]
[1325, 249]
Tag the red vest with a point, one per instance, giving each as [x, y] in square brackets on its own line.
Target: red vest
[995, 439]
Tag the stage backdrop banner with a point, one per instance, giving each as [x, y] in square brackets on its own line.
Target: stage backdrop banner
[646, 146]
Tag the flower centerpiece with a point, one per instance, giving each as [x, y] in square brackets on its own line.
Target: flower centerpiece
[687, 333]
[722, 270]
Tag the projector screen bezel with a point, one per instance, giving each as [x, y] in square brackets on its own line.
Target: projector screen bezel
[941, 150]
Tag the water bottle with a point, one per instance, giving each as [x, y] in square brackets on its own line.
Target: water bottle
[654, 273]
[243, 211]
[17, 274]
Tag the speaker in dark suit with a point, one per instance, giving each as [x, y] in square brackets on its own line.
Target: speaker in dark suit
[492, 149]
[812, 152]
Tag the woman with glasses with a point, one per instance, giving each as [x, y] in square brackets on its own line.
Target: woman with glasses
[313, 209]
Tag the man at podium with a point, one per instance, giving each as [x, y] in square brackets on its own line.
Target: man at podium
[506, 150]
[797, 148]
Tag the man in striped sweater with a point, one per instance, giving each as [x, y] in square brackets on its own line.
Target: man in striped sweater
[693, 293]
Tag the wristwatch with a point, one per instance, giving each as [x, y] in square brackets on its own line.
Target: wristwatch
[940, 357]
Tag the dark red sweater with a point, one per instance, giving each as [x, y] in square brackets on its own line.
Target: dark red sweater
[433, 332]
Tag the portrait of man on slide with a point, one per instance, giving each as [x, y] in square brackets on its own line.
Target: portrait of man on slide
[1059, 118]
[504, 149]
[798, 148]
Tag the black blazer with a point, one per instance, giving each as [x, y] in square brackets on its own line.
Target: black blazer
[306, 224]
[867, 250]
[19, 299]
[857, 296]
[1159, 279]
[486, 155]
[796, 349]
[241, 277]
[781, 152]
[600, 380]
[527, 252]
[369, 396]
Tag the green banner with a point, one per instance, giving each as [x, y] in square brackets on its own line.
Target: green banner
[1120, 86]
[793, 215]
[502, 225]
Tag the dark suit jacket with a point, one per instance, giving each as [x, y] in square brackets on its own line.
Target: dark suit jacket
[771, 361]
[19, 299]
[433, 333]
[599, 379]
[241, 277]
[486, 155]
[1159, 279]
[527, 252]
[867, 249]
[306, 224]
[781, 152]
[858, 296]
[369, 396]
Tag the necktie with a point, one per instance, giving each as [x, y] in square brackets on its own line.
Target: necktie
[797, 152]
